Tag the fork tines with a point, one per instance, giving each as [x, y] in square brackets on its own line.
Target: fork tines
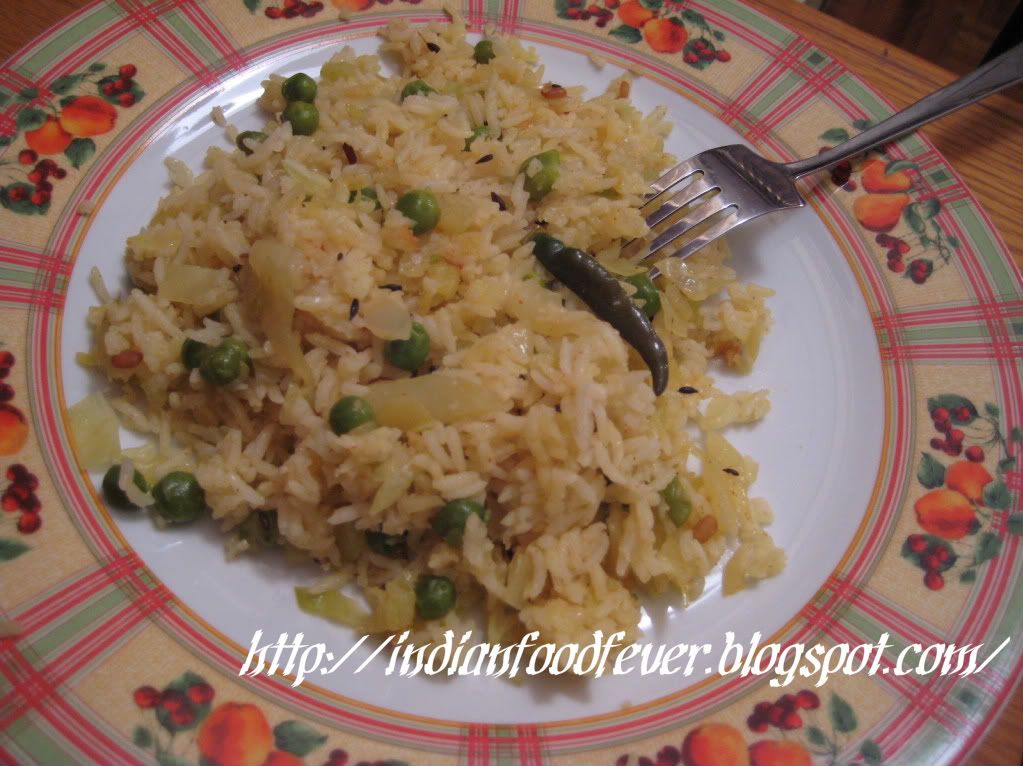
[696, 202]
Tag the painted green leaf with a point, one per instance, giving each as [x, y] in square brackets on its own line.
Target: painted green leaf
[989, 545]
[1006, 464]
[929, 208]
[835, 135]
[165, 758]
[693, 17]
[953, 242]
[11, 549]
[992, 409]
[916, 223]
[64, 84]
[996, 494]
[967, 576]
[1016, 434]
[393, 762]
[952, 403]
[23, 206]
[30, 118]
[626, 34]
[253, 5]
[66, 100]
[6, 140]
[815, 735]
[27, 94]
[297, 738]
[142, 737]
[719, 35]
[653, 5]
[843, 718]
[896, 165]
[862, 124]
[1015, 523]
[97, 66]
[79, 151]
[930, 472]
[871, 752]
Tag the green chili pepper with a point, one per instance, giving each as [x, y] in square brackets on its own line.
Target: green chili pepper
[599, 289]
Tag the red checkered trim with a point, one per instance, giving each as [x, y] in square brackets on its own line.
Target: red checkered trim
[530, 745]
[976, 312]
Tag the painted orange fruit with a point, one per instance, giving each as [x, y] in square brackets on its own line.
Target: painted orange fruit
[235, 734]
[715, 744]
[945, 513]
[969, 478]
[88, 116]
[48, 138]
[13, 430]
[776, 752]
[665, 35]
[634, 13]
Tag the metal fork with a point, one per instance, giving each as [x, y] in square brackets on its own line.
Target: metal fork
[728, 186]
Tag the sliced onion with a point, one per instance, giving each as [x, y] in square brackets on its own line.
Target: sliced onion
[96, 432]
[333, 605]
[271, 263]
[195, 285]
[310, 181]
[413, 402]
[386, 316]
[396, 479]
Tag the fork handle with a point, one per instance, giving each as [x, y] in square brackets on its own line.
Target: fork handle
[999, 73]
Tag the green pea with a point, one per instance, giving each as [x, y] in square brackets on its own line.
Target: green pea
[192, 352]
[483, 131]
[679, 506]
[420, 207]
[392, 546]
[178, 498]
[540, 183]
[435, 596]
[646, 295]
[304, 117]
[409, 354]
[223, 364]
[483, 52]
[114, 495]
[349, 413]
[449, 522]
[247, 139]
[260, 530]
[416, 88]
[366, 192]
[299, 87]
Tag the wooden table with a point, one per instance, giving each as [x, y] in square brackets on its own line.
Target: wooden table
[984, 144]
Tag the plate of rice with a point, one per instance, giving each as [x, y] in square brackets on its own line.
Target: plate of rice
[317, 370]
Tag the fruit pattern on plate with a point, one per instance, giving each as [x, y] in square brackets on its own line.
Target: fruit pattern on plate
[20, 509]
[225, 733]
[292, 9]
[892, 192]
[666, 26]
[60, 118]
[824, 735]
[966, 513]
